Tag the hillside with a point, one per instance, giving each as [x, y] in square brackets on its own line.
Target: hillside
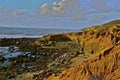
[113, 22]
[104, 43]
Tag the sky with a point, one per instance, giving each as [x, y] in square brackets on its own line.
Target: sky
[62, 14]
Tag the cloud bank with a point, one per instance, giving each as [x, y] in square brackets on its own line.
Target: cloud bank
[74, 14]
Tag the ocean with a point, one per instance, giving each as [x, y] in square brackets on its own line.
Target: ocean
[11, 32]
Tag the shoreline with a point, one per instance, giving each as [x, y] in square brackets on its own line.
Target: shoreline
[19, 36]
[6, 32]
[48, 52]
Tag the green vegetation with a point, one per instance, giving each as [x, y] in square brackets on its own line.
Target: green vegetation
[112, 22]
[59, 37]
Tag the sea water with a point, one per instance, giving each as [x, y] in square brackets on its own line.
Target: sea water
[12, 32]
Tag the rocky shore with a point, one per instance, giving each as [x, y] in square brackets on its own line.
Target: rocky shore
[92, 54]
[45, 56]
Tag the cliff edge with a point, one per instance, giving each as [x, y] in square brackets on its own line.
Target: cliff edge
[104, 43]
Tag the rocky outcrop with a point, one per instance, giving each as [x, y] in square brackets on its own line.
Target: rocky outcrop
[103, 42]
[104, 66]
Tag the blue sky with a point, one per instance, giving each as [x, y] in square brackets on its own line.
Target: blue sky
[23, 4]
[69, 14]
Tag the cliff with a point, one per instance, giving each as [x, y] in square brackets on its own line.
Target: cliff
[104, 43]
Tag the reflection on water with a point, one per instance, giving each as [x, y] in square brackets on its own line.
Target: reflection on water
[7, 53]
[5, 63]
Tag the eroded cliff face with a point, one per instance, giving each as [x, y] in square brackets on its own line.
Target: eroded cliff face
[95, 39]
[104, 43]
[102, 67]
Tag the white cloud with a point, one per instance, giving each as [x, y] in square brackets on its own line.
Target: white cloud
[57, 8]
[65, 13]
[45, 9]
[21, 14]
[16, 14]
[63, 7]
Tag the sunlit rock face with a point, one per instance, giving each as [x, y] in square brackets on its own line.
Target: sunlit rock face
[102, 41]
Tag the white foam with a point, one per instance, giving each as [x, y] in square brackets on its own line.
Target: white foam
[19, 36]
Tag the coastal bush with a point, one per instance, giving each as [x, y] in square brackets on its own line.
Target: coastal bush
[59, 38]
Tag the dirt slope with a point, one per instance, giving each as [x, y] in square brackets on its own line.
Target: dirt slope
[104, 43]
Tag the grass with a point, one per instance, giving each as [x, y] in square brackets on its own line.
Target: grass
[113, 22]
